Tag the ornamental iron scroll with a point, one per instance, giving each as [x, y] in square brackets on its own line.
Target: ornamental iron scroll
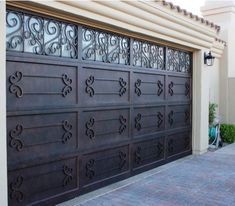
[160, 119]
[67, 82]
[137, 87]
[15, 189]
[187, 89]
[105, 47]
[14, 80]
[67, 134]
[15, 138]
[170, 88]
[148, 55]
[90, 172]
[170, 145]
[160, 148]
[123, 85]
[122, 157]
[68, 172]
[170, 118]
[160, 88]
[39, 35]
[89, 83]
[123, 123]
[137, 122]
[187, 116]
[89, 128]
[138, 155]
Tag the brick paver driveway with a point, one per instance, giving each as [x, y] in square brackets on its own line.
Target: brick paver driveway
[203, 180]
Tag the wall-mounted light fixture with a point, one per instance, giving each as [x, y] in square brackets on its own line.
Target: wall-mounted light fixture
[208, 59]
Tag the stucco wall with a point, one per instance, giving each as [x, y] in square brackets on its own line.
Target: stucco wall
[231, 99]
[3, 153]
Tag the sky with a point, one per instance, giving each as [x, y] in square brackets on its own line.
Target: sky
[190, 5]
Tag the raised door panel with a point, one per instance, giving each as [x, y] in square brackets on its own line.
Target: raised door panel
[148, 152]
[31, 85]
[148, 88]
[179, 88]
[103, 128]
[103, 165]
[148, 120]
[102, 87]
[33, 137]
[37, 183]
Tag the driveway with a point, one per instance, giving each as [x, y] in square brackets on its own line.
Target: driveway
[205, 180]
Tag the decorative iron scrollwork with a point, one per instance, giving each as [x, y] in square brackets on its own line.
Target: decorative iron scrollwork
[160, 87]
[122, 157]
[187, 115]
[170, 88]
[148, 55]
[89, 89]
[90, 172]
[137, 122]
[123, 85]
[67, 128]
[67, 82]
[160, 119]
[123, 123]
[89, 128]
[187, 89]
[14, 84]
[170, 118]
[105, 47]
[15, 135]
[170, 145]
[138, 155]
[39, 35]
[15, 189]
[68, 172]
[137, 87]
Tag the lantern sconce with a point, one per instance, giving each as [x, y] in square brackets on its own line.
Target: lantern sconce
[208, 59]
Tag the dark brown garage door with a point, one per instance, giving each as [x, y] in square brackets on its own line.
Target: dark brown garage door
[87, 107]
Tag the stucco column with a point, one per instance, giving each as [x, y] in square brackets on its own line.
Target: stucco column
[3, 152]
[201, 77]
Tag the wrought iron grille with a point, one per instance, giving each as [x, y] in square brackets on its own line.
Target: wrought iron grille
[38, 35]
[178, 61]
[148, 55]
[105, 47]
[44, 36]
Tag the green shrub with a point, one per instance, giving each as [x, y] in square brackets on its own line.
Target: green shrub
[212, 112]
[227, 132]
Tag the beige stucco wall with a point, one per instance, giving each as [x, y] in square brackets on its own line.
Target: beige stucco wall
[231, 100]
[223, 13]
[3, 153]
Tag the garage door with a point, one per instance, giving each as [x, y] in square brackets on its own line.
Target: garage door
[86, 107]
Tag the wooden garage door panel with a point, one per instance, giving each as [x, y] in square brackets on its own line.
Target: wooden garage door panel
[148, 152]
[148, 87]
[179, 88]
[103, 127]
[104, 165]
[32, 137]
[178, 116]
[101, 86]
[39, 182]
[40, 85]
[178, 142]
[148, 120]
